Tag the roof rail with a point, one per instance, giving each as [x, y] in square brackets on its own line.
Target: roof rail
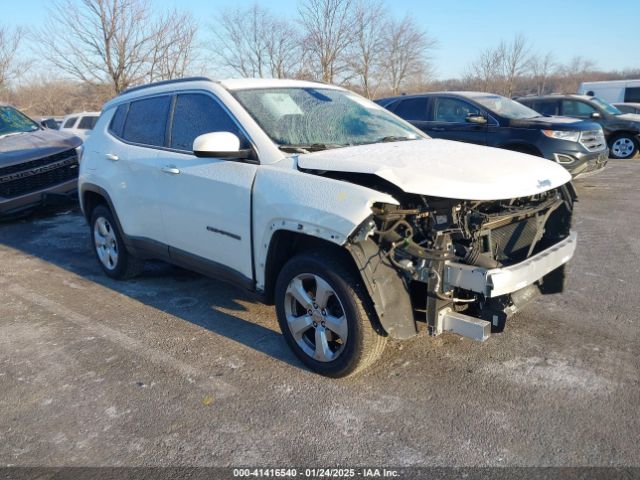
[165, 82]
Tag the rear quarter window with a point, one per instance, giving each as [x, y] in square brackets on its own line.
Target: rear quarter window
[117, 122]
[146, 121]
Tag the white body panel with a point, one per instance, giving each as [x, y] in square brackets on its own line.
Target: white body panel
[443, 168]
[206, 208]
[287, 199]
[609, 91]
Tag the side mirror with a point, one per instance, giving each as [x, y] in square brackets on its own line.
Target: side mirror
[596, 115]
[220, 145]
[476, 118]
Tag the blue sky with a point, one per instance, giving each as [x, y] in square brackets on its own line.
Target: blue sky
[600, 31]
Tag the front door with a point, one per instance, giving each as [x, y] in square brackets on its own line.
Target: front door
[450, 120]
[206, 202]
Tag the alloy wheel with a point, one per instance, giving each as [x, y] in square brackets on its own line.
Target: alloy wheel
[316, 317]
[623, 147]
[106, 243]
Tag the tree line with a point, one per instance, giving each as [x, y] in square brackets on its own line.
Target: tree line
[97, 48]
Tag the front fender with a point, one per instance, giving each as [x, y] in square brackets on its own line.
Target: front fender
[287, 199]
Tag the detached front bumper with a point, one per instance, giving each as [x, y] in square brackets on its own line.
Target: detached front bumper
[501, 281]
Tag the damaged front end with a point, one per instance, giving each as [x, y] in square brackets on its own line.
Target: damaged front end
[463, 266]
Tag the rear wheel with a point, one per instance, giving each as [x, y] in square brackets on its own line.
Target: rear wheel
[109, 248]
[325, 316]
[623, 146]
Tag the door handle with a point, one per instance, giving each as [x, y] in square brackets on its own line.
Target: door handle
[171, 169]
[111, 156]
[437, 129]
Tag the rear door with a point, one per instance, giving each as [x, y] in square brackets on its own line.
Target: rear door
[135, 184]
[414, 111]
[449, 120]
[206, 202]
[545, 107]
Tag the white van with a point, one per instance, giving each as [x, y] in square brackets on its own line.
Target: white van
[613, 91]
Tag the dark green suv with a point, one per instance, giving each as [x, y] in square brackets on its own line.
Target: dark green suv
[622, 130]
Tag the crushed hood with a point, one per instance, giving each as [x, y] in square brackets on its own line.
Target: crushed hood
[443, 168]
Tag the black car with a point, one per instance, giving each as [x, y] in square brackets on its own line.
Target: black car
[35, 163]
[497, 121]
[622, 130]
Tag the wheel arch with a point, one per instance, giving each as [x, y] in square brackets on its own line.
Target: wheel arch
[387, 291]
[91, 196]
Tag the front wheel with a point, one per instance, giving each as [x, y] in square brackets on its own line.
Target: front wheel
[623, 146]
[325, 316]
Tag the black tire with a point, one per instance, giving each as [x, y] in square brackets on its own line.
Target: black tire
[629, 140]
[126, 265]
[363, 345]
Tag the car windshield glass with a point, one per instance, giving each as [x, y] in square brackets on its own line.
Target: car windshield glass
[321, 118]
[506, 107]
[12, 121]
[607, 107]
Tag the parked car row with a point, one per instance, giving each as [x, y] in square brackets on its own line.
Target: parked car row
[496, 121]
[352, 221]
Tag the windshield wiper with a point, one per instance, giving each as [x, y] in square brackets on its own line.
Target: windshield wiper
[308, 147]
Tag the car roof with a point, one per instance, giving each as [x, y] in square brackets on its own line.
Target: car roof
[246, 83]
[632, 104]
[556, 95]
[463, 94]
[233, 84]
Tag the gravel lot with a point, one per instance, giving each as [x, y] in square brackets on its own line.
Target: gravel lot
[176, 369]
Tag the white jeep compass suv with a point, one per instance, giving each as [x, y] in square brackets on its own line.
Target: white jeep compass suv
[355, 224]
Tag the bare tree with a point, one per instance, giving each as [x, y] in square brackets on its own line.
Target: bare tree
[368, 49]
[487, 70]
[253, 43]
[541, 68]
[10, 66]
[101, 41]
[515, 59]
[329, 32]
[173, 46]
[407, 51]
[498, 68]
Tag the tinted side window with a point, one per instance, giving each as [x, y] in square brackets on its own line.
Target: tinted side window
[147, 121]
[70, 122]
[452, 110]
[196, 114]
[412, 109]
[573, 108]
[545, 108]
[87, 123]
[117, 122]
[632, 94]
